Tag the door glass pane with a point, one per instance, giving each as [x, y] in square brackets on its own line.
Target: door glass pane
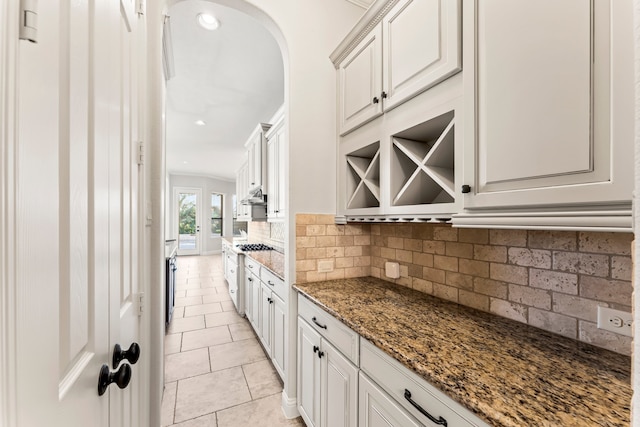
[187, 203]
[216, 215]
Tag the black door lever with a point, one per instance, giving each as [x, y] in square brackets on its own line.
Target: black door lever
[132, 354]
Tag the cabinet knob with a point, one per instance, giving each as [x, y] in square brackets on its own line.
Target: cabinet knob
[466, 189]
[375, 100]
[383, 95]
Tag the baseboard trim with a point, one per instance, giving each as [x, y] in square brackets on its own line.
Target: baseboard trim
[289, 406]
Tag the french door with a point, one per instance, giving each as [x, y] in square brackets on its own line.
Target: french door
[187, 202]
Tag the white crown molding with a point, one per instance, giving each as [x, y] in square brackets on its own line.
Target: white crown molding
[362, 3]
[372, 17]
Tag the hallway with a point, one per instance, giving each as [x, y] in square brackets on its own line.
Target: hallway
[216, 373]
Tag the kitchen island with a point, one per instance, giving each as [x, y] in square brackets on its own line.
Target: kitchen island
[507, 373]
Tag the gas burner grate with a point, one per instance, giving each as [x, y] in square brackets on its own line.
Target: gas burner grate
[254, 247]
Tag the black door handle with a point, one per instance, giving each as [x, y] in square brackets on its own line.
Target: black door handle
[132, 355]
[439, 421]
[121, 377]
[319, 325]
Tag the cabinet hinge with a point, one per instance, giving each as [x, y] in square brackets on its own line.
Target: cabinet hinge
[139, 298]
[140, 155]
[29, 20]
[141, 7]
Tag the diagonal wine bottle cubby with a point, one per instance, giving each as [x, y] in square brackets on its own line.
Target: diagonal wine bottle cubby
[363, 177]
[422, 163]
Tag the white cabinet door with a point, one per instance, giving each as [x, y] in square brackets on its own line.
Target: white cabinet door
[256, 304]
[377, 409]
[276, 172]
[266, 311]
[308, 374]
[279, 328]
[416, 45]
[552, 124]
[248, 295]
[255, 163]
[360, 83]
[339, 386]
[256, 151]
[241, 192]
[421, 47]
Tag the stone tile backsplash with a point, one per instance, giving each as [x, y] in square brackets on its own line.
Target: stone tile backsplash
[270, 233]
[553, 280]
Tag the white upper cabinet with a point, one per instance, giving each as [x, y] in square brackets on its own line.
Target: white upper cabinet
[241, 193]
[360, 82]
[549, 101]
[421, 47]
[398, 50]
[276, 208]
[256, 151]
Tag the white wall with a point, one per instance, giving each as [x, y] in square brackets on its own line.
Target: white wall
[208, 185]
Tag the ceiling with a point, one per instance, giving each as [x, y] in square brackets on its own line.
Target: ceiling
[231, 78]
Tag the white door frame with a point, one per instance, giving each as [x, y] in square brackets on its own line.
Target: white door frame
[8, 61]
[199, 241]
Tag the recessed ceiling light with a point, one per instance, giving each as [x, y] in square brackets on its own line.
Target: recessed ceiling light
[185, 163]
[208, 22]
[200, 122]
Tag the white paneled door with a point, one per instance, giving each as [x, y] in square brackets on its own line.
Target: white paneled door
[71, 199]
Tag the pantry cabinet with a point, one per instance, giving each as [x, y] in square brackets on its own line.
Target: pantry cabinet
[549, 118]
[276, 164]
[400, 49]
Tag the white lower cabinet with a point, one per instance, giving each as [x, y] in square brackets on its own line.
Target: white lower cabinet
[266, 311]
[377, 409]
[278, 320]
[327, 381]
[264, 332]
[360, 385]
[252, 298]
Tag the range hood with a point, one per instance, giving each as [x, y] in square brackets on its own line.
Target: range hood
[255, 197]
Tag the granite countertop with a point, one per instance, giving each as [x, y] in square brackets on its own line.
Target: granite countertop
[508, 373]
[272, 260]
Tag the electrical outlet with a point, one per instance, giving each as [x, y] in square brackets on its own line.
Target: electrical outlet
[392, 270]
[616, 321]
[325, 266]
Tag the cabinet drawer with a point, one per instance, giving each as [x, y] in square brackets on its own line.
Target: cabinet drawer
[336, 332]
[395, 379]
[252, 265]
[274, 282]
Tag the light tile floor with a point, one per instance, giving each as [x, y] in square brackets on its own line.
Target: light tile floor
[216, 372]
